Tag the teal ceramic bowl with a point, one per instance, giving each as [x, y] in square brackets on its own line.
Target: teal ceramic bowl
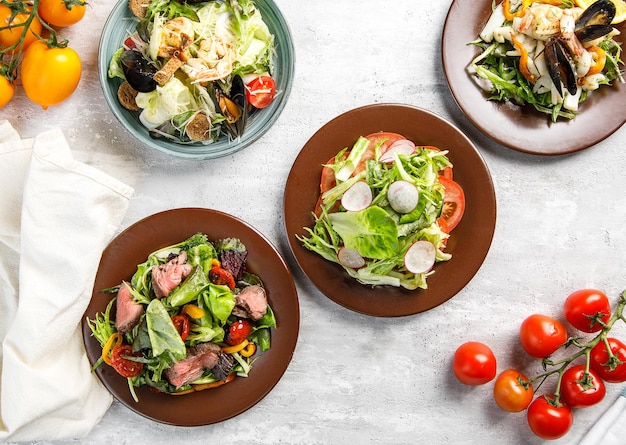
[121, 22]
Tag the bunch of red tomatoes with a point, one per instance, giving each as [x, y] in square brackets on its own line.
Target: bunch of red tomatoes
[581, 376]
[31, 53]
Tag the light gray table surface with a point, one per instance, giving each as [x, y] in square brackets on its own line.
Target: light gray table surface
[355, 378]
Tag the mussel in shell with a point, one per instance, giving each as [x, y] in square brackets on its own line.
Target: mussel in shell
[595, 21]
[234, 107]
[138, 71]
[560, 65]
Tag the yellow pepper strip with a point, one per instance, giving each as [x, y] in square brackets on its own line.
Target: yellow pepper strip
[523, 60]
[599, 57]
[216, 263]
[249, 350]
[235, 348]
[193, 311]
[509, 16]
[114, 341]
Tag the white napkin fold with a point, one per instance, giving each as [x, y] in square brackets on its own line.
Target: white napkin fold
[610, 429]
[57, 216]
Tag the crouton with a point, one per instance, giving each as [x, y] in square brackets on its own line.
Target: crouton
[199, 129]
[126, 95]
[167, 71]
[138, 7]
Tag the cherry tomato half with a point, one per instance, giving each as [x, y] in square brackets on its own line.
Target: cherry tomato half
[474, 363]
[181, 323]
[124, 366]
[512, 391]
[260, 91]
[453, 202]
[221, 276]
[587, 310]
[62, 12]
[547, 419]
[49, 75]
[610, 370]
[13, 32]
[580, 389]
[541, 335]
[238, 331]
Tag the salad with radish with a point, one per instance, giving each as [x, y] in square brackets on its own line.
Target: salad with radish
[196, 70]
[190, 318]
[385, 210]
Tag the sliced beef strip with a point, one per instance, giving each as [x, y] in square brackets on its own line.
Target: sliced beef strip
[251, 302]
[127, 310]
[169, 275]
[200, 357]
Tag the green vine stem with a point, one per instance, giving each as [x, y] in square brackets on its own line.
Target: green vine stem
[552, 367]
[10, 57]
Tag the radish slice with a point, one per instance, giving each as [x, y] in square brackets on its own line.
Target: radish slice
[402, 147]
[350, 258]
[357, 197]
[420, 257]
[403, 196]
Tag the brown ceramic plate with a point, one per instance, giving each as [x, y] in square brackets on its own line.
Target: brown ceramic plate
[119, 262]
[522, 128]
[468, 243]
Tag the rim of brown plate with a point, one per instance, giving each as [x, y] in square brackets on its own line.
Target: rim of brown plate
[131, 247]
[469, 242]
[522, 128]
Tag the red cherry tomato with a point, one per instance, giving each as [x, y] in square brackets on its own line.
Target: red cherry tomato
[181, 323]
[219, 275]
[547, 419]
[453, 202]
[238, 331]
[474, 363]
[260, 91]
[124, 366]
[580, 389]
[512, 391]
[588, 310]
[541, 335]
[612, 370]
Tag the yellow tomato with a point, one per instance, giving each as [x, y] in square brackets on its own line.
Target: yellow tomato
[49, 75]
[10, 36]
[62, 12]
[7, 89]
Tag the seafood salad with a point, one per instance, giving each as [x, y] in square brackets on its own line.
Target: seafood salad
[195, 70]
[190, 318]
[547, 53]
[385, 210]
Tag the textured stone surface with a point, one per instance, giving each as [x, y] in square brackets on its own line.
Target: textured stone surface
[354, 378]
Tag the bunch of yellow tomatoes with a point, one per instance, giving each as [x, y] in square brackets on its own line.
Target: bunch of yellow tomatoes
[31, 53]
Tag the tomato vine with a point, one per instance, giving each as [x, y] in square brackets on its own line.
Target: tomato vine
[20, 26]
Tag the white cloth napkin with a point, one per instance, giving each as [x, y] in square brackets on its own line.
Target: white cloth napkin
[56, 217]
[610, 429]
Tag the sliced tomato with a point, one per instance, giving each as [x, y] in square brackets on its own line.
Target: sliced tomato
[453, 202]
[221, 276]
[260, 91]
[446, 172]
[445, 228]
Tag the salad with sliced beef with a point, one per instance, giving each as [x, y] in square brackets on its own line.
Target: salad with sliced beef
[191, 317]
[385, 210]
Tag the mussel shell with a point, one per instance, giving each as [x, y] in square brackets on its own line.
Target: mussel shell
[595, 21]
[233, 106]
[144, 29]
[138, 71]
[561, 66]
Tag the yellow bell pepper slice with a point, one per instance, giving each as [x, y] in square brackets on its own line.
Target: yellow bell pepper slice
[114, 341]
[235, 348]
